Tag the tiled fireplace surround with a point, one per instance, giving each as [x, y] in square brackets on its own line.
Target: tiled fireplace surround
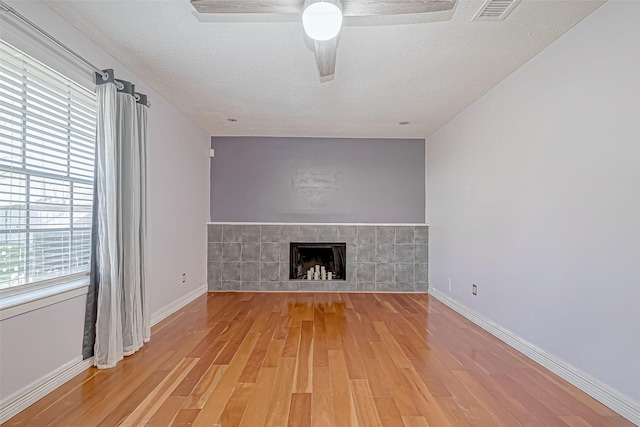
[255, 257]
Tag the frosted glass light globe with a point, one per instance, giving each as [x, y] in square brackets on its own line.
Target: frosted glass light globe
[322, 20]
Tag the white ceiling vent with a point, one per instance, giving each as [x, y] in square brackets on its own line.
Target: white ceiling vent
[495, 10]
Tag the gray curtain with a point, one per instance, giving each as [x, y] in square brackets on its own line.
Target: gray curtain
[117, 312]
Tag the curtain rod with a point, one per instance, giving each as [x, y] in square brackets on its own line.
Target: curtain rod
[12, 11]
[105, 76]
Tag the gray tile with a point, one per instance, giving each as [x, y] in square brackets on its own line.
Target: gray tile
[284, 252]
[270, 252]
[385, 273]
[366, 287]
[404, 234]
[405, 253]
[351, 272]
[289, 233]
[231, 233]
[214, 252]
[421, 234]
[231, 285]
[285, 286]
[231, 252]
[346, 286]
[422, 273]
[404, 274]
[214, 285]
[422, 287]
[385, 287]
[230, 271]
[250, 286]
[385, 252]
[405, 287]
[214, 233]
[327, 233]
[366, 253]
[251, 252]
[214, 271]
[422, 254]
[351, 252]
[347, 233]
[250, 233]
[366, 234]
[270, 233]
[366, 272]
[284, 271]
[270, 271]
[385, 234]
[308, 233]
[250, 272]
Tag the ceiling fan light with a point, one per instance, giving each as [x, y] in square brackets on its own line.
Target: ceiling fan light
[322, 20]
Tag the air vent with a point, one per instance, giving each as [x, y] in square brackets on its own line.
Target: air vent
[495, 10]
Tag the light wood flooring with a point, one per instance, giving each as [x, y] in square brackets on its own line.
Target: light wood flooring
[276, 359]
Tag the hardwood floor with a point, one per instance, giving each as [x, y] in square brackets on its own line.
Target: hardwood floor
[273, 359]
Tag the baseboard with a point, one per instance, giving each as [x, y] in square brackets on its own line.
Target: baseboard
[41, 387]
[168, 310]
[623, 405]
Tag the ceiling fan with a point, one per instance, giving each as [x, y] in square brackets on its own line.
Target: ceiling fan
[322, 19]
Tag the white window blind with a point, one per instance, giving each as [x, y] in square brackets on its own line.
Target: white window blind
[47, 142]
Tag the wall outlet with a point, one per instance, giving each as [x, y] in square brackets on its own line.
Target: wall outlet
[184, 277]
[474, 289]
[449, 284]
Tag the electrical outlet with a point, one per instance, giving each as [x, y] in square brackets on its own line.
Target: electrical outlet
[449, 284]
[474, 289]
[184, 277]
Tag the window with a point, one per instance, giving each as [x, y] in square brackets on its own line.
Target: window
[47, 143]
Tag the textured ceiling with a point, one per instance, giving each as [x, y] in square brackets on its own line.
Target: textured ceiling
[258, 70]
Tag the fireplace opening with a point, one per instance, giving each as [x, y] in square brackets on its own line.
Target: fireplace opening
[330, 257]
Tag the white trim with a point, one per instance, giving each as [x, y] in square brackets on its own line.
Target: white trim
[623, 405]
[41, 387]
[168, 310]
[15, 305]
[394, 224]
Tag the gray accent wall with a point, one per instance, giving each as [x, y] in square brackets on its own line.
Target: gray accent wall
[379, 258]
[317, 180]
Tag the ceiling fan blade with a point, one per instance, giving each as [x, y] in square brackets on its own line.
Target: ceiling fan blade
[326, 52]
[247, 6]
[394, 7]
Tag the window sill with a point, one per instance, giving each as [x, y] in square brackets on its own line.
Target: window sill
[15, 305]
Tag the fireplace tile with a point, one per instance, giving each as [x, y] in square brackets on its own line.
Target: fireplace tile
[366, 234]
[404, 274]
[347, 233]
[404, 234]
[405, 253]
[214, 233]
[385, 252]
[422, 254]
[366, 253]
[385, 273]
[270, 271]
[308, 233]
[270, 233]
[251, 252]
[250, 233]
[214, 252]
[231, 233]
[385, 234]
[230, 271]
[250, 271]
[421, 235]
[270, 252]
[327, 233]
[385, 287]
[365, 272]
[231, 251]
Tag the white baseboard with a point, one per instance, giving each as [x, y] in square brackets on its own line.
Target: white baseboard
[168, 310]
[38, 389]
[623, 405]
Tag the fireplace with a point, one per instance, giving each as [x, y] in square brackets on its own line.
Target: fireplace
[306, 256]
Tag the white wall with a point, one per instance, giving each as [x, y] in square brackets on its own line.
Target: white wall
[36, 343]
[534, 195]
